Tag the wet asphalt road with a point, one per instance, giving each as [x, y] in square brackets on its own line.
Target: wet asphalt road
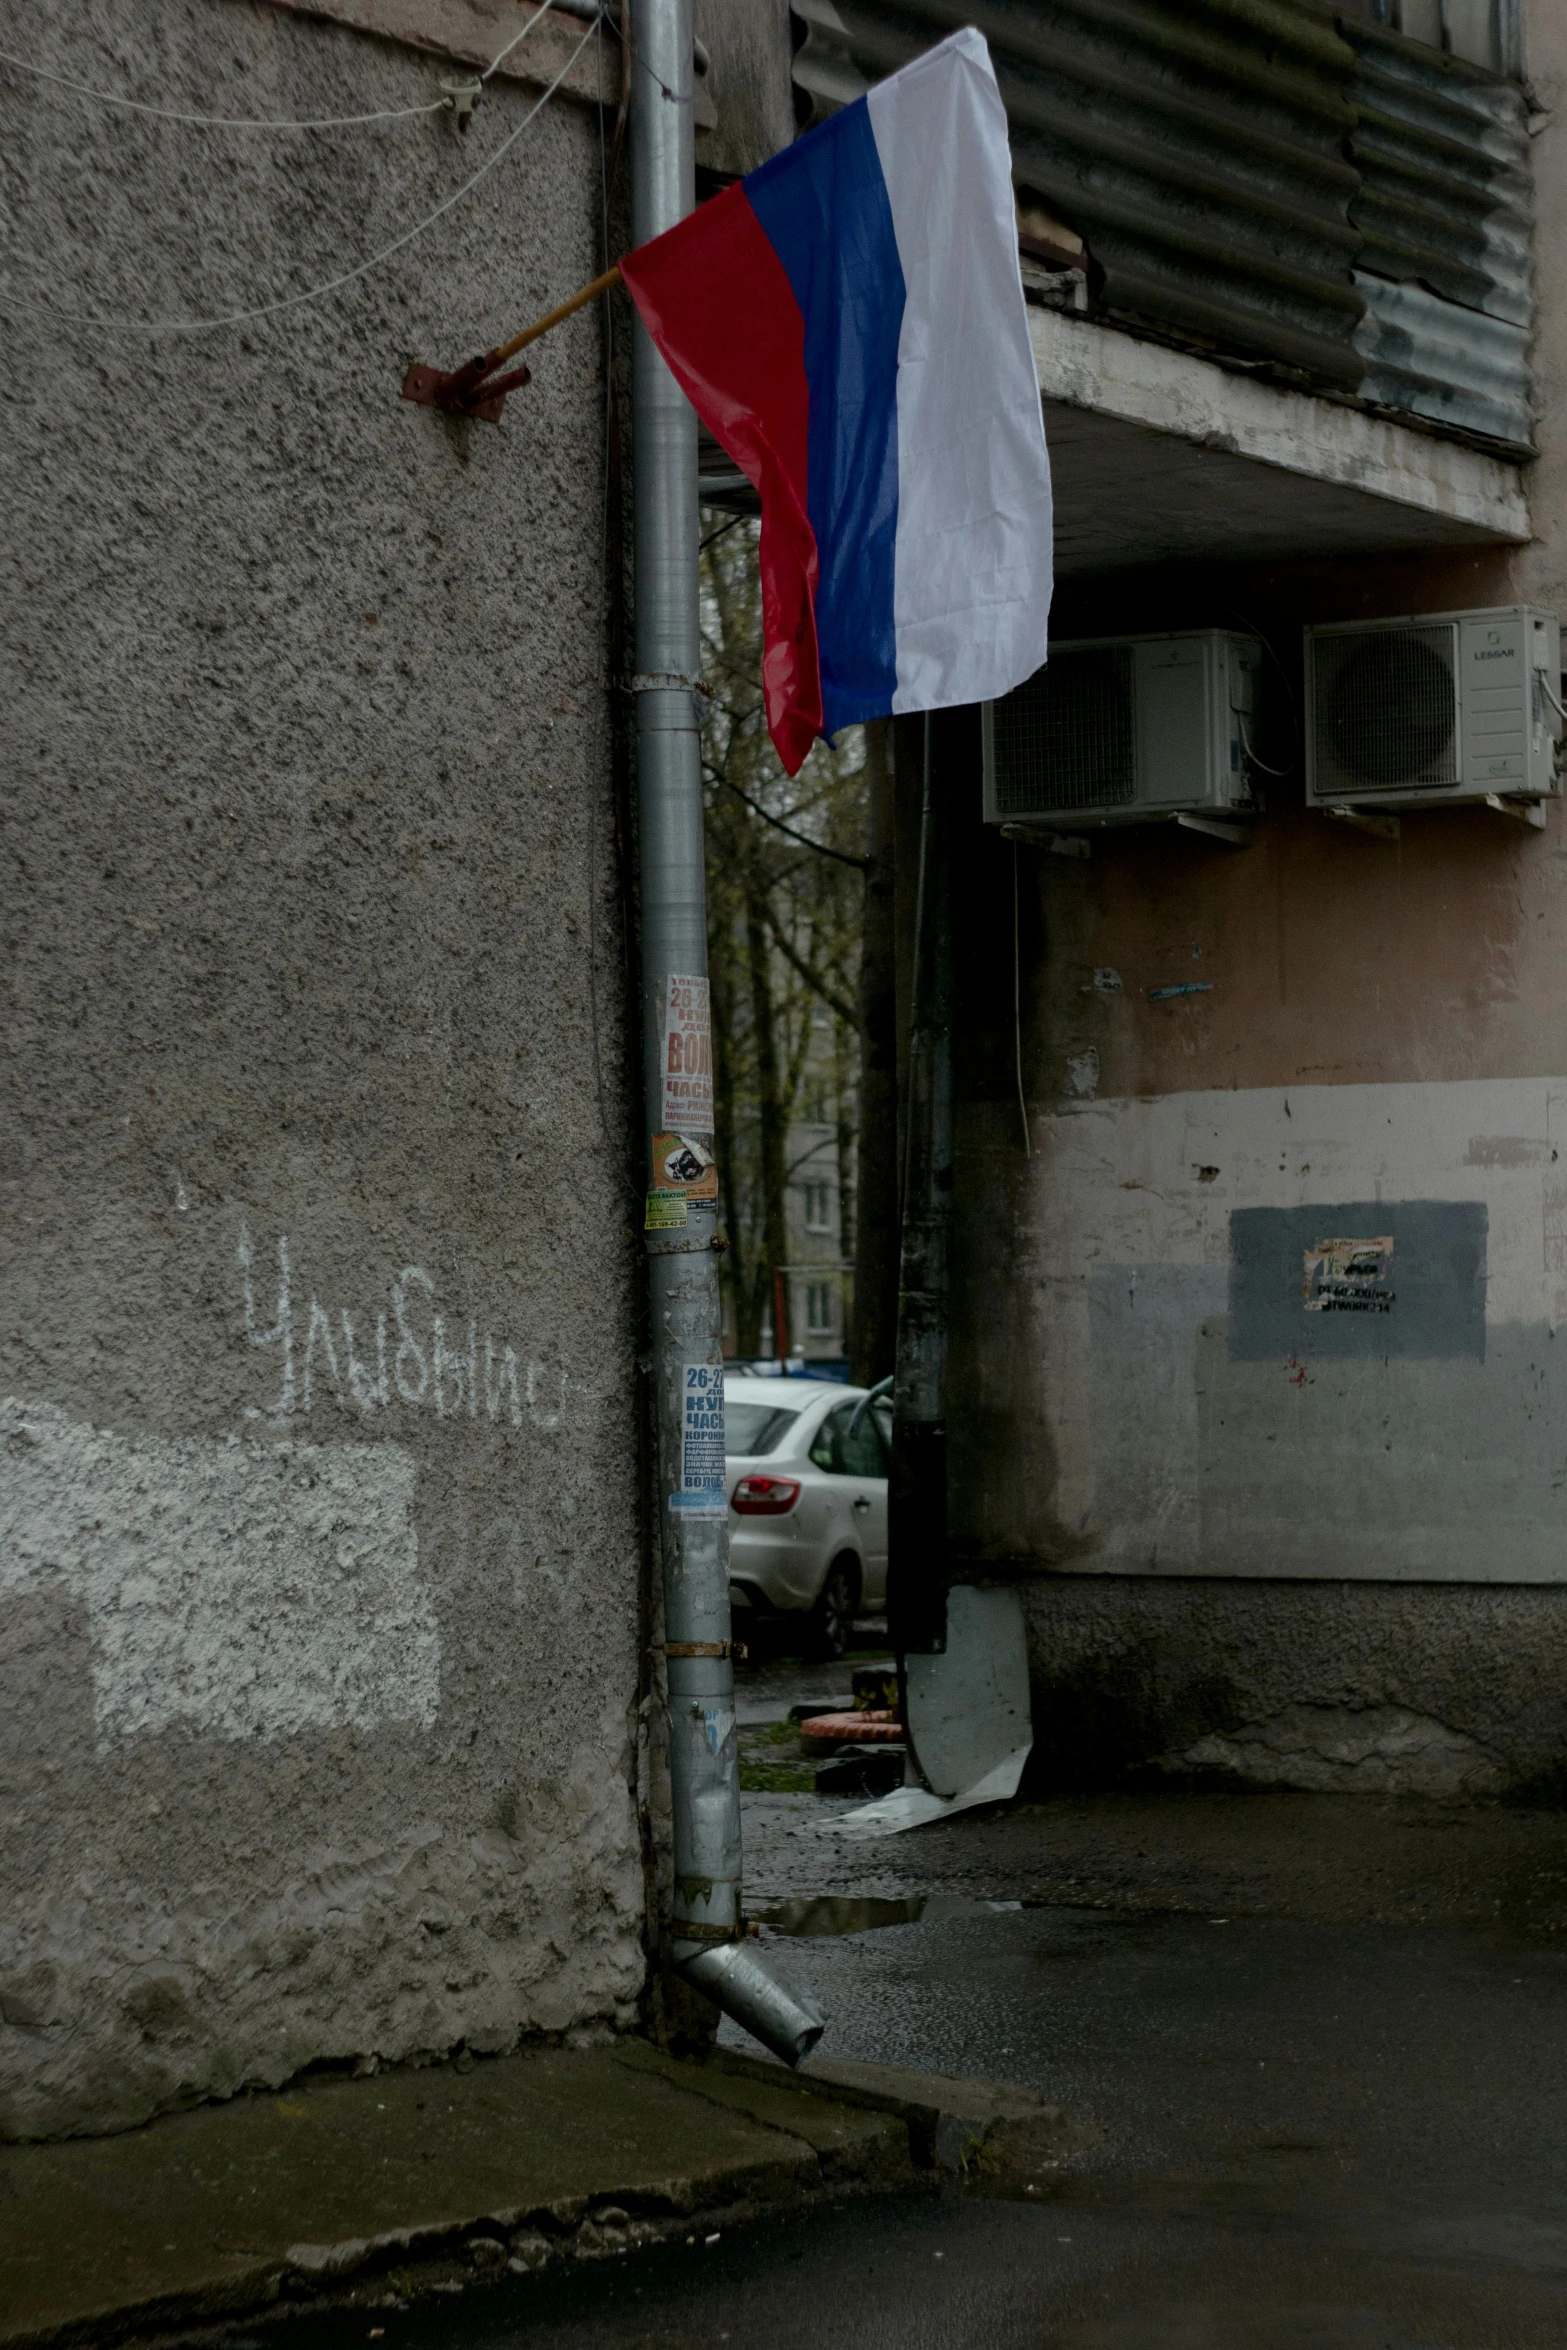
[1304, 2134]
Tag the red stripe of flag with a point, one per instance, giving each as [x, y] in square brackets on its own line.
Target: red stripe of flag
[713, 295]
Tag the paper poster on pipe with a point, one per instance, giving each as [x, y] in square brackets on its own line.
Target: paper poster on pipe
[688, 1058]
[703, 1487]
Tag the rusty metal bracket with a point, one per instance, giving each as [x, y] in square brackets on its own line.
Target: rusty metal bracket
[692, 1647]
[474, 389]
[1378, 827]
[1530, 812]
[466, 391]
[1233, 835]
[688, 1248]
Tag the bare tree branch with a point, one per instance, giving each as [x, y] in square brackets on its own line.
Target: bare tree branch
[817, 981]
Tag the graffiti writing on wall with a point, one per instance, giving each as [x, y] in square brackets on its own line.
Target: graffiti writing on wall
[404, 1353]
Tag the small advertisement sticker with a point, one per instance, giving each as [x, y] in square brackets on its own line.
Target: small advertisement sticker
[666, 1212]
[702, 1492]
[684, 1166]
[688, 1058]
[1349, 1276]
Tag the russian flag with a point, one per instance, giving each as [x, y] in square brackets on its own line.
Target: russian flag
[848, 322]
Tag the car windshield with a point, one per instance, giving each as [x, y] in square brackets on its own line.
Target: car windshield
[752, 1428]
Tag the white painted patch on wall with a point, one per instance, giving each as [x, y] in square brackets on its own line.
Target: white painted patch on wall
[241, 1590]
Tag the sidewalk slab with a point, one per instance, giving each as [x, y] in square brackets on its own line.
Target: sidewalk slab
[231, 2208]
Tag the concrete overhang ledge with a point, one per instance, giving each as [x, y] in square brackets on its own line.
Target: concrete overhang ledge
[1161, 455]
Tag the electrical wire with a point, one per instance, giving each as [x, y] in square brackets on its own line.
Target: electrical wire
[1550, 697]
[1249, 628]
[196, 326]
[1251, 754]
[241, 122]
[218, 122]
[664, 90]
[496, 62]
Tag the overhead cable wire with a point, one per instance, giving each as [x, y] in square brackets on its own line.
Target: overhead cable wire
[196, 326]
[243, 122]
[218, 122]
[499, 60]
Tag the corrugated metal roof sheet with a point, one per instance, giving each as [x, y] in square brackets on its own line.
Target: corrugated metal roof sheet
[1258, 181]
[1445, 212]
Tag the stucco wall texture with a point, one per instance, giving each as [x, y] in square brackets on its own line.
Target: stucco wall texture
[318, 1586]
[1302, 1562]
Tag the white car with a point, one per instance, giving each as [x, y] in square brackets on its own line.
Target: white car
[807, 1476]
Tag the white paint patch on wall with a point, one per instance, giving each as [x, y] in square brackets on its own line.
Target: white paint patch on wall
[242, 1590]
[1129, 1236]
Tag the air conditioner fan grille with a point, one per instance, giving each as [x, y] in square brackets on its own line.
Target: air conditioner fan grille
[1386, 712]
[1068, 738]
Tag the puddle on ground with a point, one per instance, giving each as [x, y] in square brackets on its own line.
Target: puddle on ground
[858, 1913]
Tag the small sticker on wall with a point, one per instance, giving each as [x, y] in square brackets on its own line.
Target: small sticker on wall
[688, 1058]
[702, 1492]
[1349, 1277]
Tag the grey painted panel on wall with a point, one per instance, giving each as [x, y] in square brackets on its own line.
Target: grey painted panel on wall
[1359, 1280]
[1414, 1469]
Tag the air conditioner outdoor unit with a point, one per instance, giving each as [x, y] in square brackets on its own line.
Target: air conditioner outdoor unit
[1127, 730]
[1442, 707]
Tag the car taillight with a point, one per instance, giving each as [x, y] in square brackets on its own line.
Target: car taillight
[765, 1497]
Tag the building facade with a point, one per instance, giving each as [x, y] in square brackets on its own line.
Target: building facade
[322, 1588]
[1300, 347]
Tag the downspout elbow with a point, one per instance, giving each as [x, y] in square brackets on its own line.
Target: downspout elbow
[733, 1976]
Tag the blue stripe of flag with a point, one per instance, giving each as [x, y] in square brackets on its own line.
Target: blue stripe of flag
[823, 206]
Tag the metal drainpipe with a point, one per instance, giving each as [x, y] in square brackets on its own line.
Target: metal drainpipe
[706, 1929]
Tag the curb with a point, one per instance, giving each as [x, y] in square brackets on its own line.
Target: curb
[801, 2139]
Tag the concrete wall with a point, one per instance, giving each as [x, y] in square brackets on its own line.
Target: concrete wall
[319, 1579]
[1378, 1050]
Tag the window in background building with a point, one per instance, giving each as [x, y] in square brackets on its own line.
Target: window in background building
[816, 1111]
[818, 1207]
[818, 1309]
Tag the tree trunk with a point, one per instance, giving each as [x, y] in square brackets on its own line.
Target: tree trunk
[738, 1274]
[771, 1108]
[875, 1328]
[847, 1110]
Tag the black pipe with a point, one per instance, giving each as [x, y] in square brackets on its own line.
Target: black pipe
[917, 1563]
